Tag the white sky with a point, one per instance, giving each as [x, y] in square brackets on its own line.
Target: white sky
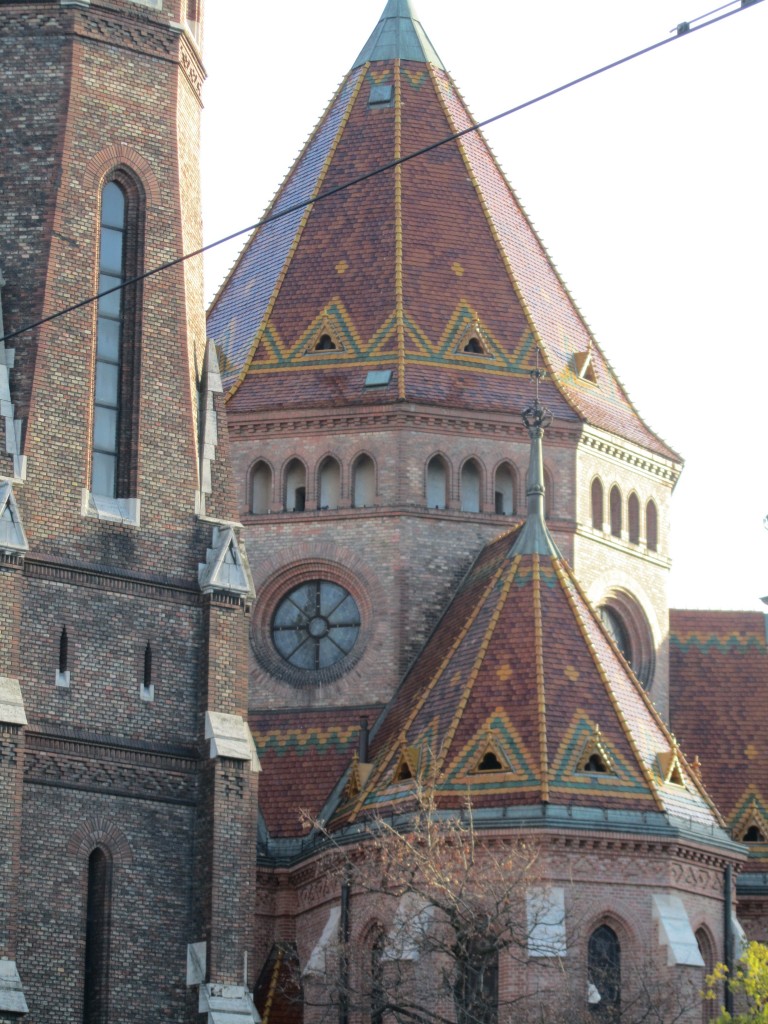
[647, 185]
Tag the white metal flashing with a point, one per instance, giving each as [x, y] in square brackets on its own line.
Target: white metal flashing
[675, 931]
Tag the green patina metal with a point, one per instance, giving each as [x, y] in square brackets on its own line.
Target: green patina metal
[399, 36]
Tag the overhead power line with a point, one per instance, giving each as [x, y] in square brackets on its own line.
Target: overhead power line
[685, 28]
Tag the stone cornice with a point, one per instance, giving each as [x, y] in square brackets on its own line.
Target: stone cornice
[621, 451]
[389, 417]
[98, 578]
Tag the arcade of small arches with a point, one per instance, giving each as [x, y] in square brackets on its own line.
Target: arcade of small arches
[464, 488]
[625, 522]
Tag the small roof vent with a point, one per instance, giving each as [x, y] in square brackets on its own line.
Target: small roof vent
[378, 378]
[380, 95]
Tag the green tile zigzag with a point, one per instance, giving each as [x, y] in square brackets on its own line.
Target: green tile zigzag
[624, 780]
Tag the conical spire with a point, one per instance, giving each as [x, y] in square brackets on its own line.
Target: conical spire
[431, 271]
[399, 36]
[535, 538]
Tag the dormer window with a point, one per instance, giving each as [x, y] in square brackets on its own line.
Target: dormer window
[595, 763]
[753, 835]
[490, 763]
[325, 344]
[472, 340]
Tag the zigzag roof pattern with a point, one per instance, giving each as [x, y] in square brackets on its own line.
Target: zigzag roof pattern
[398, 267]
[313, 752]
[521, 699]
[719, 660]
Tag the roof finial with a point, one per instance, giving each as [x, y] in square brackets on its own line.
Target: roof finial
[534, 538]
[399, 35]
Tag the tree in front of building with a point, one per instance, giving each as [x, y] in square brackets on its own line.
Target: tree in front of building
[748, 983]
[442, 924]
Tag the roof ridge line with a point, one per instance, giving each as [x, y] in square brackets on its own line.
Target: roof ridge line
[538, 636]
[399, 288]
[495, 234]
[419, 704]
[308, 211]
[509, 571]
[565, 576]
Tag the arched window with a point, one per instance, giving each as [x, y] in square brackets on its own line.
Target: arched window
[549, 494]
[113, 462]
[437, 482]
[652, 526]
[615, 511]
[618, 632]
[329, 483]
[470, 486]
[363, 482]
[604, 973]
[95, 987]
[703, 941]
[295, 486]
[377, 990]
[476, 992]
[633, 518]
[597, 504]
[261, 488]
[193, 18]
[504, 497]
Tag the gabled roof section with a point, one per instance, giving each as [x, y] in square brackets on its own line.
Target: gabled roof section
[314, 751]
[399, 36]
[521, 665]
[405, 263]
[719, 660]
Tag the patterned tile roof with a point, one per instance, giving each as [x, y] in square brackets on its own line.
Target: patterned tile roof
[520, 698]
[719, 711]
[303, 756]
[402, 268]
[278, 995]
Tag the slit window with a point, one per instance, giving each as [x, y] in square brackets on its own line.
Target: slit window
[597, 504]
[633, 517]
[615, 501]
[652, 526]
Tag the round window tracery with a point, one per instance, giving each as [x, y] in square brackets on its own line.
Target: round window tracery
[315, 625]
[617, 631]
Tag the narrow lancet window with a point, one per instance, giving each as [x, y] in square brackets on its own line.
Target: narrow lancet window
[470, 486]
[364, 482]
[437, 482]
[95, 990]
[109, 343]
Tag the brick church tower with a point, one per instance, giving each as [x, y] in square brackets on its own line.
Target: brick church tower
[123, 635]
[376, 348]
